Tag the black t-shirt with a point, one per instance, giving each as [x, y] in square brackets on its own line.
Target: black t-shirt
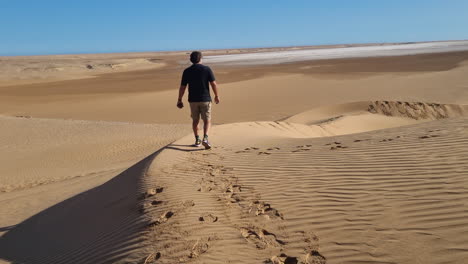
[198, 77]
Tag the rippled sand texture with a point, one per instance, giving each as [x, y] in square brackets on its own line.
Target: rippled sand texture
[279, 188]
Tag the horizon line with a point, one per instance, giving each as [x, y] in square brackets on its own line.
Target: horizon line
[231, 48]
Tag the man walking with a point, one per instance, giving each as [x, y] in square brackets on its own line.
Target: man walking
[199, 78]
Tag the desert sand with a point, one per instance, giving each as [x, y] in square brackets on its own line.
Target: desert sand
[349, 159]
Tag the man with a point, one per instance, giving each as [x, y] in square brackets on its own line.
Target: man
[199, 78]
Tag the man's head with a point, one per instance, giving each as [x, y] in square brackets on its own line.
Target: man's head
[195, 57]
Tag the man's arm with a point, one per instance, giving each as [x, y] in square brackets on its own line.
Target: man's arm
[214, 86]
[183, 86]
[181, 94]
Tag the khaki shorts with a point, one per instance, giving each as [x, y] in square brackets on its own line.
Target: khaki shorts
[202, 109]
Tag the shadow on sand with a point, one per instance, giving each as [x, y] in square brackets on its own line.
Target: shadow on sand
[101, 225]
[186, 148]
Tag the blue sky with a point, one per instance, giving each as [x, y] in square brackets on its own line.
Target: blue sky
[58, 26]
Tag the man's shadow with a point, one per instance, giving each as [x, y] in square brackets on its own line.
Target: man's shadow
[185, 148]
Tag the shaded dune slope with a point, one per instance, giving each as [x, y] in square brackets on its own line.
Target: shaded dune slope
[101, 225]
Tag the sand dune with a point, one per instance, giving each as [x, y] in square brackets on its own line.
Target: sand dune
[89, 148]
[371, 197]
[266, 94]
[73, 174]
[357, 160]
[23, 70]
[372, 115]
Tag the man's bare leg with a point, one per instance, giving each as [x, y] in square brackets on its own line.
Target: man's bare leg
[195, 127]
[206, 127]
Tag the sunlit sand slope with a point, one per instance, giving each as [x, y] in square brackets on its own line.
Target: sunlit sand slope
[372, 115]
[268, 192]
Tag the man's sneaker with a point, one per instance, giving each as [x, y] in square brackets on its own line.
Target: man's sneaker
[198, 142]
[206, 144]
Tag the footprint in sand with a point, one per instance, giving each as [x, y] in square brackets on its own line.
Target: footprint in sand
[201, 246]
[206, 185]
[151, 192]
[264, 209]
[274, 148]
[233, 188]
[264, 153]
[336, 143]
[429, 136]
[147, 205]
[205, 188]
[152, 257]
[386, 139]
[338, 147]
[251, 148]
[261, 238]
[301, 150]
[314, 257]
[360, 140]
[162, 219]
[208, 218]
[231, 198]
[155, 202]
[188, 203]
[282, 259]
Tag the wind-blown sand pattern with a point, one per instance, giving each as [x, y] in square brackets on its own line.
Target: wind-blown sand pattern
[358, 160]
[351, 199]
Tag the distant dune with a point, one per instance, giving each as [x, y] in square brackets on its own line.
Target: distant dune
[339, 53]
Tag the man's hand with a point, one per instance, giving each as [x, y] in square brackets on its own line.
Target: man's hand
[180, 105]
[216, 99]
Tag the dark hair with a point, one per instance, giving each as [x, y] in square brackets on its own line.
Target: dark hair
[195, 57]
